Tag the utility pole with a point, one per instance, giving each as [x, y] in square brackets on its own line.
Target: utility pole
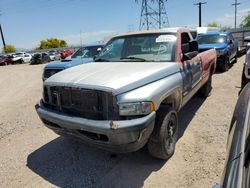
[235, 13]
[2, 34]
[199, 4]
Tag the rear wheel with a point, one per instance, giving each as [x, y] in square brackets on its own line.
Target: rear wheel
[165, 134]
[206, 89]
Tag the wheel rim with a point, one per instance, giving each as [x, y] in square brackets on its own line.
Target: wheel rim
[170, 137]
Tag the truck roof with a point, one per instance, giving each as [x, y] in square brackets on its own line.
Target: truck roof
[167, 30]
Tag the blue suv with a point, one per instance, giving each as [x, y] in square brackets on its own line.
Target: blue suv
[82, 55]
[224, 44]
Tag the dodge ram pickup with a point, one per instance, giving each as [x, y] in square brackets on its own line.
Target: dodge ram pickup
[130, 95]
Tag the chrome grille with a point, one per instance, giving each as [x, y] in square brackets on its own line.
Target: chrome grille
[86, 103]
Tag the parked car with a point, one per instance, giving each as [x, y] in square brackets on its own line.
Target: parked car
[5, 60]
[131, 94]
[21, 57]
[225, 45]
[40, 58]
[81, 56]
[245, 78]
[54, 55]
[65, 53]
[237, 166]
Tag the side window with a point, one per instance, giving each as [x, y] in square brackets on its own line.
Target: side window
[185, 42]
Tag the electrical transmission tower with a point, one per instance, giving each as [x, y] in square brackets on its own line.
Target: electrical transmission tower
[153, 14]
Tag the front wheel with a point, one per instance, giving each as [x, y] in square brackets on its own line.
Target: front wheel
[162, 142]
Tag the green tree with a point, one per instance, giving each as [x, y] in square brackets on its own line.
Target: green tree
[245, 22]
[9, 48]
[213, 24]
[52, 43]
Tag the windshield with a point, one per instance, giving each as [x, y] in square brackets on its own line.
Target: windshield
[146, 47]
[87, 52]
[211, 39]
[18, 54]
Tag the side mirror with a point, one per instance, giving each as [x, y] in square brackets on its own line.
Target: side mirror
[193, 46]
[189, 55]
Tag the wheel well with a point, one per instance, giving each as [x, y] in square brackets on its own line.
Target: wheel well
[173, 100]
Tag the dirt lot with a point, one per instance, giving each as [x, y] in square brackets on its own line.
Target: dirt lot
[33, 156]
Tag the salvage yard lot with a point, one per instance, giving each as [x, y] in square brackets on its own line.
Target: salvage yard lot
[33, 156]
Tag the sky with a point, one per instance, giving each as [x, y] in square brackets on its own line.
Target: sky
[26, 22]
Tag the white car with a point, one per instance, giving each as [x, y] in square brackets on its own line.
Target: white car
[54, 55]
[21, 57]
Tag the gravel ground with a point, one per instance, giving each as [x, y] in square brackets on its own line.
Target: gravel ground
[33, 156]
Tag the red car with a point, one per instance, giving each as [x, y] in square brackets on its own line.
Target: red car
[65, 53]
[5, 60]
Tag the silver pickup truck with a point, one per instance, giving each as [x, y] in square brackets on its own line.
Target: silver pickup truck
[130, 95]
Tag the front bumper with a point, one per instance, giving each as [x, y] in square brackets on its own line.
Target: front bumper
[130, 135]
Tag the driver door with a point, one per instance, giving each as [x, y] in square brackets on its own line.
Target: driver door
[191, 66]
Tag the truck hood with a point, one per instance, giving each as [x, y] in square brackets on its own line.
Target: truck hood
[210, 46]
[67, 63]
[115, 77]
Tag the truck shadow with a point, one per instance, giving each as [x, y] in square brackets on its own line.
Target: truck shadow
[69, 163]
[187, 113]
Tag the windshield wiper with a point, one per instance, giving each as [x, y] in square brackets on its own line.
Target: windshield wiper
[101, 60]
[133, 58]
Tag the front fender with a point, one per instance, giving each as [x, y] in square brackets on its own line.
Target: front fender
[157, 92]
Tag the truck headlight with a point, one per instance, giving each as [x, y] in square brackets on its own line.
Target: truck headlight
[137, 108]
[220, 52]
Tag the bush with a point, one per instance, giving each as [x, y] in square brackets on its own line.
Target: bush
[9, 48]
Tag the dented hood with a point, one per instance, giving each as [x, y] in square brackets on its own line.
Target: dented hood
[115, 77]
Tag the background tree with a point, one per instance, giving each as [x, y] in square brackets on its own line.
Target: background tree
[213, 24]
[52, 43]
[9, 48]
[245, 22]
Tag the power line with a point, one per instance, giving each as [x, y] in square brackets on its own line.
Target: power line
[200, 4]
[153, 14]
[236, 4]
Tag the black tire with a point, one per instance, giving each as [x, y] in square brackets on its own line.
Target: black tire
[236, 57]
[21, 61]
[162, 141]
[205, 90]
[224, 66]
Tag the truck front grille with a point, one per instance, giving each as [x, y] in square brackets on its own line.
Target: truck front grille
[86, 103]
